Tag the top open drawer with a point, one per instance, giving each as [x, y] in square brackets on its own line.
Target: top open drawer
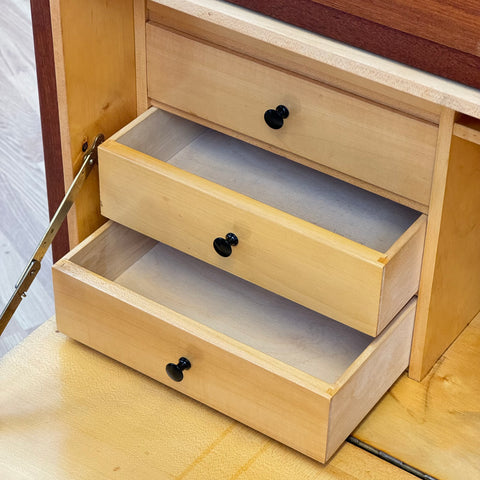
[311, 238]
[336, 132]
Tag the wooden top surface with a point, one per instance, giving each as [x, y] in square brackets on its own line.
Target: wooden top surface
[434, 35]
[434, 424]
[68, 412]
[364, 64]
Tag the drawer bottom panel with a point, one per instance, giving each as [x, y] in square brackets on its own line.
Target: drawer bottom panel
[280, 368]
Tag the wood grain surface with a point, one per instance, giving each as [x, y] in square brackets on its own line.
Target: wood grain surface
[47, 92]
[68, 412]
[422, 37]
[338, 277]
[434, 424]
[23, 199]
[378, 146]
[456, 264]
[95, 71]
[455, 24]
[280, 381]
[467, 128]
[301, 51]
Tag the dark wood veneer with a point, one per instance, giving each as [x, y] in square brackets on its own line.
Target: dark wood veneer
[438, 36]
[47, 90]
[453, 23]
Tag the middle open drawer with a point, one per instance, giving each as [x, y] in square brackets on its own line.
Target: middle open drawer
[323, 243]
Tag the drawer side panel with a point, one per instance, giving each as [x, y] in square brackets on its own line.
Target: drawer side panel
[402, 272]
[363, 385]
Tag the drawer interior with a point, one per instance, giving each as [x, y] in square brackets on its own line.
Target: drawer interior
[322, 200]
[249, 314]
[270, 363]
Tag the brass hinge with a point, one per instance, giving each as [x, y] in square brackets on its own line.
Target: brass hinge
[33, 266]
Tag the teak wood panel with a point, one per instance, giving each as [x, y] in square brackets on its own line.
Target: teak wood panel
[258, 390]
[377, 145]
[324, 271]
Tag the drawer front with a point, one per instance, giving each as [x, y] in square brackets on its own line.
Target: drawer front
[314, 267]
[376, 145]
[276, 399]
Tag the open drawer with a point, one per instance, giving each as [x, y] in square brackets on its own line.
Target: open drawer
[323, 243]
[274, 365]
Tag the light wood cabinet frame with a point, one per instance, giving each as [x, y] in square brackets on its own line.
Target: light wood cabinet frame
[100, 87]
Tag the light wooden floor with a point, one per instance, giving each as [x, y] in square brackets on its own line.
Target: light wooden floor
[23, 200]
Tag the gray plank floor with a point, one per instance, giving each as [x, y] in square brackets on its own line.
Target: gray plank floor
[23, 199]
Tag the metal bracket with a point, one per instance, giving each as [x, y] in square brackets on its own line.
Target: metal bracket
[33, 266]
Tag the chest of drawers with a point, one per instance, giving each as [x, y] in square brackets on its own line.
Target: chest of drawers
[301, 324]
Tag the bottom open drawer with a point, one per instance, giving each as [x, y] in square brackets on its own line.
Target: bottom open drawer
[272, 364]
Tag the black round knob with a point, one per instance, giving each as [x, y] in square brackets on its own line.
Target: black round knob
[223, 246]
[274, 118]
[175, 372]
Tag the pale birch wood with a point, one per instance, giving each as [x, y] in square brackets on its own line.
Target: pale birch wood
[110, 255]
[467, 128]
[402, 260]
[332, 274]
[191, 212]
[253, 316]
[243, 36]
[434, 424]
[139, 15]
[296, 158]
[357, 384]
[418, 368]
[454, 296]
[292, 188]
[239, 379]
[146, 336]
[363, 140]
[263, 35]
[70, 412]
[95, 73]
[342, 57]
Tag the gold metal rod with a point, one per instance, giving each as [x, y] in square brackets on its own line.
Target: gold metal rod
[33, 266]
